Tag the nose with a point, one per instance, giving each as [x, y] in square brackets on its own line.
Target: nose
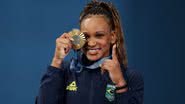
[91, 43]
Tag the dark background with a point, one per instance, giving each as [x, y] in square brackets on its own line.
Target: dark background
[154, 31]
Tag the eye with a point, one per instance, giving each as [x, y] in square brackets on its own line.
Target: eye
[100, 35]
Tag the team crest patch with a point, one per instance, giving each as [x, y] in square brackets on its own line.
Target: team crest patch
[110, 92]
[72, 86]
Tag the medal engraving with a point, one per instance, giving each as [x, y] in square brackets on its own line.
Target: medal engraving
[78, 39]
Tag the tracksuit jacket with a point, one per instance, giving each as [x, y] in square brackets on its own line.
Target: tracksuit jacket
[80, 85]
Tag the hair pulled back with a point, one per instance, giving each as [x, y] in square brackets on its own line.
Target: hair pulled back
[111, 13]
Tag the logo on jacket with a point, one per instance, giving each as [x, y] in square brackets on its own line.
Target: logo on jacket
[72, 86]
[110, 92]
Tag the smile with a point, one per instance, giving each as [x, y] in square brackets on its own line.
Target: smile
[93, 50]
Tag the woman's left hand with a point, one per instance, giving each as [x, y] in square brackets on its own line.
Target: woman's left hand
[114, 69]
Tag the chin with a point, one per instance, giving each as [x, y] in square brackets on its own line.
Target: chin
[93, 58]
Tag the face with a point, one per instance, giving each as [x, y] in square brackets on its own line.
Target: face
[99, 37]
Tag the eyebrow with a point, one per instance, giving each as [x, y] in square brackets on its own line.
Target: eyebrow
[101, 32]
[96, 32]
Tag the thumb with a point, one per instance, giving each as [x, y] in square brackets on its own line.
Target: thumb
[114, 55]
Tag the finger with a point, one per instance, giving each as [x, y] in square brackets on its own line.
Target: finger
[105, 66]
[71, 39]
[63, 40]
[107, 61]
[114, 55]
[67, 36]
[63, 50]
[64, 35]
[102, 70]
[60, 41]
[108, 64]
[65, 47]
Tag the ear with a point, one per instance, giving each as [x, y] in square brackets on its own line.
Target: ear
[113, 37]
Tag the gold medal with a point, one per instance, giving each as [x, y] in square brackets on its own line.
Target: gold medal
[78, 39]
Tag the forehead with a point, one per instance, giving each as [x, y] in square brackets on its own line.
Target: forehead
[95, 22]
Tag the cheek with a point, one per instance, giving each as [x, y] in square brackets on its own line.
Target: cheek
[105, 45]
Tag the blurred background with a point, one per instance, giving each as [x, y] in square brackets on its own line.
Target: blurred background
[154, 32]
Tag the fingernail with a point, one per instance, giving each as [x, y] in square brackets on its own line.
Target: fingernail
[71, 39]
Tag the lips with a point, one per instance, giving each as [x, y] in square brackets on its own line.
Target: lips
[93, 50]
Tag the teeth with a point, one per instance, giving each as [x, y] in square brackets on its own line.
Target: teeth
[94, 49]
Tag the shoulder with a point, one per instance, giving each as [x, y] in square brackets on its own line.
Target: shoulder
[133, 74]
[134, 79]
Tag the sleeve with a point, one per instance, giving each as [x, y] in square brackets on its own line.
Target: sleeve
[52, 87]
[135, 92]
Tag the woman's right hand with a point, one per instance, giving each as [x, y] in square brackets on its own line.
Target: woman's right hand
[63, 46]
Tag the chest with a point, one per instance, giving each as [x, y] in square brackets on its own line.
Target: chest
[86, 87]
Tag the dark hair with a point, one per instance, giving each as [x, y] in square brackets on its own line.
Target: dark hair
[111, 13]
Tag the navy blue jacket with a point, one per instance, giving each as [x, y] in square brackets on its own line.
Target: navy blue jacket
[64, 86]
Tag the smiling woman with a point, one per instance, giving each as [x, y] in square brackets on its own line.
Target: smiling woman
[99, 36]
[100, 74]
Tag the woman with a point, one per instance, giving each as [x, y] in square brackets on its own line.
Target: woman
[100, 74]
